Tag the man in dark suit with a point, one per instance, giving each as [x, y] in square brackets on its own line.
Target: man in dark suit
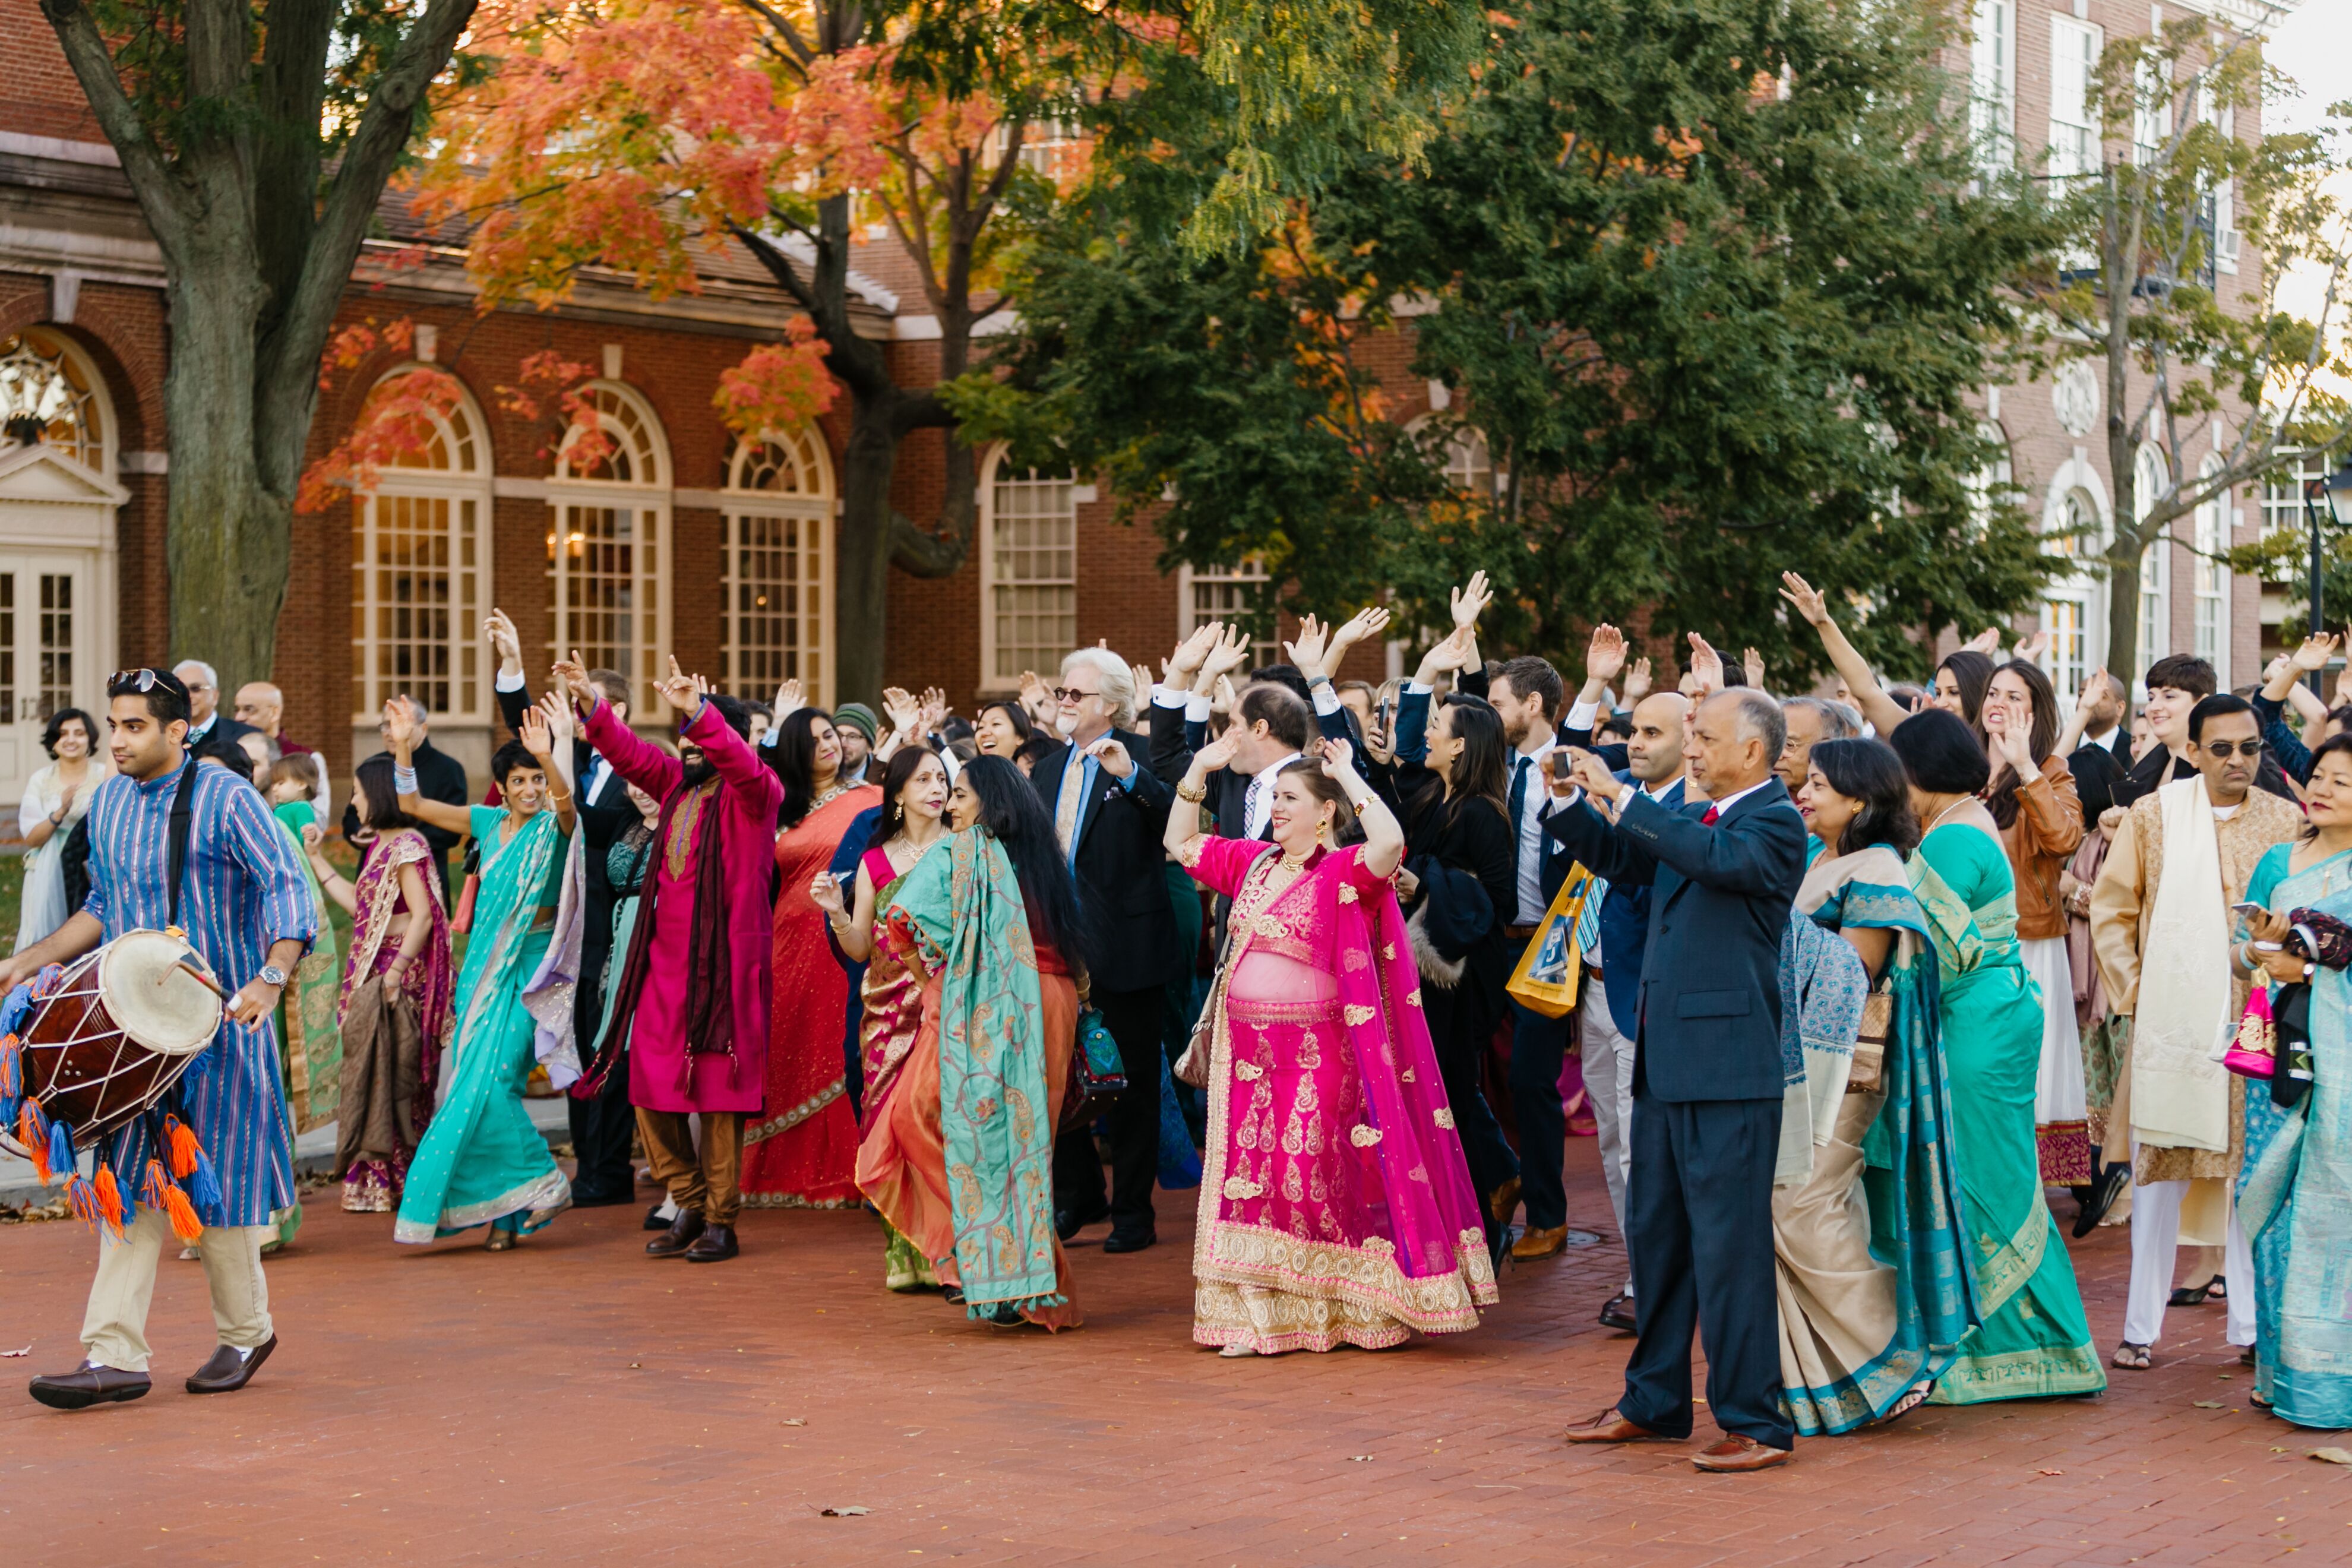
[601, 1128]
[1276, 726]
[439, 776]
[1707, 1079]
[206, 719]
[2105, 757]
[1111, 814]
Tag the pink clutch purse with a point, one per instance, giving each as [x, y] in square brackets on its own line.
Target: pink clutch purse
[2255, 1051]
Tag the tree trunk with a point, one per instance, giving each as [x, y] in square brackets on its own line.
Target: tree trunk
[2123, 613]
[230, 535]
[861, 592]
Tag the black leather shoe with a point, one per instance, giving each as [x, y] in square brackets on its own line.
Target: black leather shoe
[89, 1385]
[1068, 1223]
[1130, 1240]
[654, 1220]
[683, 1232]
[716, 1246]
[228, 1371]
[1618, 1313]
[2103, 1194]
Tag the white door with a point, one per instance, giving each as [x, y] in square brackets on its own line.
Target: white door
[48, 650]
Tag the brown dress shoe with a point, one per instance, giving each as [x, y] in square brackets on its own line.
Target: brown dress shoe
[228, 1370]
[1548, 1241]
[682, 1234]
[1737, 1454]
[1503, 1201]
[1610, 1427]
[88, 1385]
[716, 1245]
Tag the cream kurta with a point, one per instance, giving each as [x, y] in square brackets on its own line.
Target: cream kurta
[2121, 901]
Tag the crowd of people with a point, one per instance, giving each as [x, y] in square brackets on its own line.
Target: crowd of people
[1858, 978]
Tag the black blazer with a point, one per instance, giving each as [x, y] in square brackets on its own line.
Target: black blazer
[1174, 739]
[1720, 899]
[1130, 924]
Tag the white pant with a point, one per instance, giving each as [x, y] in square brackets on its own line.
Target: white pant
[1609, 1086]
[2156, 1237]
[114, 1328]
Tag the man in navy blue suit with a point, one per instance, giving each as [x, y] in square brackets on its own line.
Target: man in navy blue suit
[1708, 1080]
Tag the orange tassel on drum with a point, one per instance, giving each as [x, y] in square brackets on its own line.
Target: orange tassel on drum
[110, 1199]
[183, 1214]
[34, 1137]
[181, 1143]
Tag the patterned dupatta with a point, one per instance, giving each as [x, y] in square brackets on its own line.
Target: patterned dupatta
[430, 982]
[515, 874]
[959, 912]
[1911, 1172]
[1433, 1211]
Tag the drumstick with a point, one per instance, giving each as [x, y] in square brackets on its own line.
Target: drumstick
[209, 983]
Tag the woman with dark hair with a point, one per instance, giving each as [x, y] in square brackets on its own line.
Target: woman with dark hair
[1459, 887]
[1327, 1113]
[1864, 1334]
[907, 828]
[1962, 676]
[2033, 1339]
[394, 1000]
[481, 1162]
[2034, 803]
[55, 796]
[801, 1151]
[987, 926]
[1001, 728]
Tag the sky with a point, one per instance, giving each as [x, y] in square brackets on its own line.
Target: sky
[2314, 46]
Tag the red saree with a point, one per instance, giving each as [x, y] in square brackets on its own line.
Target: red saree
[800, 1151]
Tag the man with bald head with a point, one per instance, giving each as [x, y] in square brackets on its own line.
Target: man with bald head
[263, 706]
[1707, 1079]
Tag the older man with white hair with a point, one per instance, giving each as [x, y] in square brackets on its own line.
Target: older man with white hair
[1110, 814]
[206, 720]
[1808, 721]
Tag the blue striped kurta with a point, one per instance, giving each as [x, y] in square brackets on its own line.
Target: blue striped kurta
[241, 891]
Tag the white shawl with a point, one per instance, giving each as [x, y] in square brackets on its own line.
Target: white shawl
[2179, 1090]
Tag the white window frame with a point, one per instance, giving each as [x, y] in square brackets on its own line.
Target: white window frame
[466, 484]
[2210, 634]
[992, 678]
[2152, 477]
[1249, 573]
[647, 495]
[1992, 104]
[810, 508]
[2074, 606]
[2074, 141]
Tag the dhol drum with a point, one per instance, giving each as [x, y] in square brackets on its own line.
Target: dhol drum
[115, 1032]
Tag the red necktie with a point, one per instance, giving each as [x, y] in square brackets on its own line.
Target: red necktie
[1709, 820]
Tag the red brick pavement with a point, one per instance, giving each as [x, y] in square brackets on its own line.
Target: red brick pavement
[574, 1401]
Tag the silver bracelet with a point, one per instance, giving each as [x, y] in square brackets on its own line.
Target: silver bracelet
[403, 780]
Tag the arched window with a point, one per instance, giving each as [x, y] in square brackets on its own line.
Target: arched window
[2150, 479]
[1028, 569]
[779, 566]
[2212, 579]
[420, 559]
[48, 392]
[2073, 526]
[608, 532]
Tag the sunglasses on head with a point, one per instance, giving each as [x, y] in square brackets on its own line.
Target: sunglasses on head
[141, 679]
[2225, 750]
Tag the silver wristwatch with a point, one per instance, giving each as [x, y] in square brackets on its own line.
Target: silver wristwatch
[273, 975]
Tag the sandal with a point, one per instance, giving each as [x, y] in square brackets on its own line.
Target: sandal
[2188, 1296]
[1912, 1397]
[500, 1240]
[2132, 1357]
[2217, 1288]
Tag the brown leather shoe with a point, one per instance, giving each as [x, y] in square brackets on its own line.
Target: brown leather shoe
[1546, 1241]
[1610, 1427]
[1738, 1455]
[229, 1370]
[1503, 1201]
[682, 1233]
[88, 1385]
[716, 1245]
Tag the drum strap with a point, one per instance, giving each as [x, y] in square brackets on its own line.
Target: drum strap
[183, 808]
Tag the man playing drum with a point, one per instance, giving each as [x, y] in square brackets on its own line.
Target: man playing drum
[246, 908]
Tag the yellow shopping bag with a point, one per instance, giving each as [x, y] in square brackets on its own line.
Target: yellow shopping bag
[1546, 979]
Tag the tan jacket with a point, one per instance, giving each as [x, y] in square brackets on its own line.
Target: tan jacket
[2044, 834]
[2121, 901]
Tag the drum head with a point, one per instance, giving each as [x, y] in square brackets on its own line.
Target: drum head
[143, 978]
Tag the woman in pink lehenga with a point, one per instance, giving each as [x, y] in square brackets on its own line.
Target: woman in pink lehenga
[1336, 1207]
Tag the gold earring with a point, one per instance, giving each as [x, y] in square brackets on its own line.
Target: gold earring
[1323, 831]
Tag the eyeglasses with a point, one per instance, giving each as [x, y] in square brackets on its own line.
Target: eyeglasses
[2225, 750]
[1072, 694]
[140, 680]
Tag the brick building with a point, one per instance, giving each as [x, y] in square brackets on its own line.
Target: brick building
[688, 541]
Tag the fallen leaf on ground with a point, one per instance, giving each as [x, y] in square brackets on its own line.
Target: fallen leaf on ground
[1358, 1459]
[2332, 1455]
[2209, 1405]
[2049, 1473]
[844, 1512]
[12, 1355]
[794, 1421]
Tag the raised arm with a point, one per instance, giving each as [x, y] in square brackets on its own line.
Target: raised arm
[401, 732]
[513, 691]
[1185, 818]
[336, 885]
[758, 791]
[547, 736]
[852, 919]
[2095, 687]
[1883, 712]
[645, 766]
[1384, 835]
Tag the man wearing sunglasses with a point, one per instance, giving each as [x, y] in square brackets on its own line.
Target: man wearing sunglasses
[2161, 926]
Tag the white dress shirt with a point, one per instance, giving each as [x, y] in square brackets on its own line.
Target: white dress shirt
[1257, 802]
[1535, 804]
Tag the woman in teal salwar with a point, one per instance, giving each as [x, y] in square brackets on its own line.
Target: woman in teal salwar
[2294, 1197]
[482, 1162]
[1874, 1292]
[2035, 1339]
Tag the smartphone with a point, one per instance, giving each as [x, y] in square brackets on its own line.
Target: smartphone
[2246, 910]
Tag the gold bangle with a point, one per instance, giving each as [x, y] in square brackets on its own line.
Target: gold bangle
[1196, 794]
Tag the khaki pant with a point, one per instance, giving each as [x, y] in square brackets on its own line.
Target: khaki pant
[710, 1182]
[114, 1328]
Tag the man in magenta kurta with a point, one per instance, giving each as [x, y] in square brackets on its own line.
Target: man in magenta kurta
[692, 999]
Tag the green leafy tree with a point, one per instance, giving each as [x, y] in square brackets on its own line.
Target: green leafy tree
[258, 136]
[1709, 285]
